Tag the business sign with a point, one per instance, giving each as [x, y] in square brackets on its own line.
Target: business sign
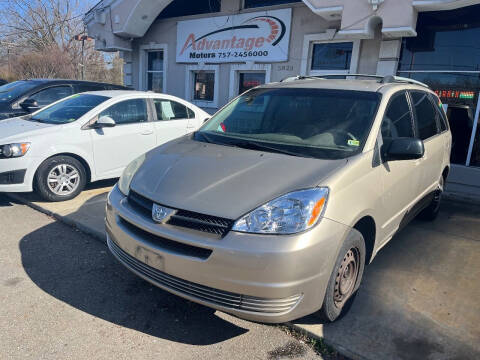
[260, 36]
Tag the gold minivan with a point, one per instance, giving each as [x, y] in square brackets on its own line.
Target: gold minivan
[272, 209]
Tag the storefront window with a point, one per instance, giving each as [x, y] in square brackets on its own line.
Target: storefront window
[446, 40]
[446, 56]
[189, 7]
[248, 80]
[259, 3]
[155, 71]
[332, 56]
[204, 89]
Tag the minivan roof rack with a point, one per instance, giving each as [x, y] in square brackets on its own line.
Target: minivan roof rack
[389, 79]
[399, 79]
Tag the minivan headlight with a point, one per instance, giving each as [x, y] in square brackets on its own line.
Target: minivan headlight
[14, 150]
[288, 214]
[129, 173]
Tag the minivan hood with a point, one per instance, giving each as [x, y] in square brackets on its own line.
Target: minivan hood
[16, 128]
[222, 180]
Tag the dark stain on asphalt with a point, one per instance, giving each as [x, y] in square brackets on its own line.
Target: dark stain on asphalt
[417, 348]
[291, 350]
[13, 281]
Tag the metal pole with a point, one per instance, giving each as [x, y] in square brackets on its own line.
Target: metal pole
[83, 58]
[8, 62]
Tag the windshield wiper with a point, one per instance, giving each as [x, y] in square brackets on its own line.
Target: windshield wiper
[205, 137]
[252, 145]
[248, 144]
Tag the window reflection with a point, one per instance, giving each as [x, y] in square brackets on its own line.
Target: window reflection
[447, 40]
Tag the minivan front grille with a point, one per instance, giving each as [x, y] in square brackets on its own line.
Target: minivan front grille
[184, 218]
[204, 293]
[166, 244]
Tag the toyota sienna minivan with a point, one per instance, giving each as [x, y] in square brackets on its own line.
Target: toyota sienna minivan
[272, 209]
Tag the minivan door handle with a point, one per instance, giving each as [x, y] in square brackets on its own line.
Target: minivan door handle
[147, 132]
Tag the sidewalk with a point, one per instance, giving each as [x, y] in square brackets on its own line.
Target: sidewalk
[419, 298]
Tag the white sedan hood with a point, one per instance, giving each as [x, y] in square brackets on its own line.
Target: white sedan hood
[17, 129]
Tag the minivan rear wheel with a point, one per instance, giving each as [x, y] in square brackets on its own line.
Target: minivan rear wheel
[430, 213]
[345, 278]
[60, 178]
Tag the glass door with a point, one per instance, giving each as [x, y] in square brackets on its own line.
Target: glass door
[473, 156]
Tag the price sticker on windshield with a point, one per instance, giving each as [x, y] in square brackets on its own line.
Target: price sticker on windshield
[353, 142]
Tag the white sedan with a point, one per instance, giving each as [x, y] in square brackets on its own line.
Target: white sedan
[88, 137]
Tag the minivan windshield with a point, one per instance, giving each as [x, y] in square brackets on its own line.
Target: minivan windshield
[68, 110]
[13, 90]
[319, 123]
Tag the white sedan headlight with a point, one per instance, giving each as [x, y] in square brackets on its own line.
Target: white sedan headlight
[289, 214]
[128, 174]
[14, 150]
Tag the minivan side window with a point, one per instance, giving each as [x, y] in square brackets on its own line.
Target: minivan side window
[127, 112]
[49, 95]
[171, 110]
[397, 121]
[441, 116]
[425, 115]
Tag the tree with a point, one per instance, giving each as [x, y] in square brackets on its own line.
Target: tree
[43, 34]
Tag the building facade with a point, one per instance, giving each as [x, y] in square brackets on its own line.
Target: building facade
[209, 51]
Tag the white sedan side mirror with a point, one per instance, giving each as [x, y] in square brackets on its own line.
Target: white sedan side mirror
[105, 121]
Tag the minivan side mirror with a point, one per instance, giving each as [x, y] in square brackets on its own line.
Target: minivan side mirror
[29, 105]
[405, 149]
[105, 121]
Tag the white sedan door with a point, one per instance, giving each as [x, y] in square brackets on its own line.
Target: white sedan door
[133, 135]
[173, 120]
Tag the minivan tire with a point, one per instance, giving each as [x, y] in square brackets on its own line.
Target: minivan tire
[337, 301]
[49, 167]
[430, 213]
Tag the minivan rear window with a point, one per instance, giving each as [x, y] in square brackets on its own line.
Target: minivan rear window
[307, 122]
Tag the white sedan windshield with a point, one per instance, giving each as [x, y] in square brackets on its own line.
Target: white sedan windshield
[69, 110]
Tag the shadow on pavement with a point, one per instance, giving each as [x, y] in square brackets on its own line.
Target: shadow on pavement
[84, 275]
[5, 201]
[419, 297]
[34, 197]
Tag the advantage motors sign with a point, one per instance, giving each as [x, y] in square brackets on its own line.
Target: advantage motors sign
[260, 36]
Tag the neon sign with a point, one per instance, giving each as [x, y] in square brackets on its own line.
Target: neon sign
[455, 94]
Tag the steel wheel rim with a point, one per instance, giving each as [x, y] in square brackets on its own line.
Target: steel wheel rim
[63, 179]
[437, 197]
[346, 277]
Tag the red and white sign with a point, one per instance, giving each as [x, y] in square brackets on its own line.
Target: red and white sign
[260, 36]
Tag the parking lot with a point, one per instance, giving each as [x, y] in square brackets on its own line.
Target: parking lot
[419, 299]
[64, 297]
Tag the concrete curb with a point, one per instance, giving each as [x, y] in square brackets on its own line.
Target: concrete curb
[98, 235]
[342, 350]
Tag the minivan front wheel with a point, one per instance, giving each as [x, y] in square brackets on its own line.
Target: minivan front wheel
[60, 178]
[345, 278]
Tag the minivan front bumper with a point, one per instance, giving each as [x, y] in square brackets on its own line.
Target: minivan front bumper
[266, 278]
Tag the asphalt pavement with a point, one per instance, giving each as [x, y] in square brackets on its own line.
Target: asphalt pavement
[63, 296]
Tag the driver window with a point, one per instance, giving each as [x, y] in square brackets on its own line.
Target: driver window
[127, 112]
[47, 96]
[397, 121]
